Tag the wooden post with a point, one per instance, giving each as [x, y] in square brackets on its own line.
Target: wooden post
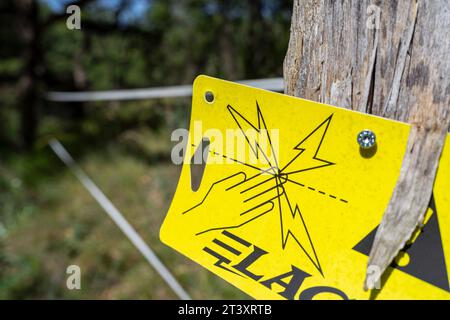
[389, 58]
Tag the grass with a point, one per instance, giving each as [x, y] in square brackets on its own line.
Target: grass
[52, 222]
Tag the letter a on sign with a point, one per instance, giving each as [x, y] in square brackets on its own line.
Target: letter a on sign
[285, 187]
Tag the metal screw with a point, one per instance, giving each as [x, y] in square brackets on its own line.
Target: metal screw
[367, 139]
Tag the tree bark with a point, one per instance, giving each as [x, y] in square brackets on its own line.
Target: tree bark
[31, 30]
[27, 91]
[397, 69]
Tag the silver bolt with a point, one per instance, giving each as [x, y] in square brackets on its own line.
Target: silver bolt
[367, 139]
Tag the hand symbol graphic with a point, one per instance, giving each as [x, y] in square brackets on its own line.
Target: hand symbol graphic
[255, 198]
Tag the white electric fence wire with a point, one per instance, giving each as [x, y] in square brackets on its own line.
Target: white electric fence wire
[119, 220]
[273, 84]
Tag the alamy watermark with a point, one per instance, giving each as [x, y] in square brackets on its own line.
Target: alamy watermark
[73, 22]
[373, 17]
[373, 280]
[256, 147]
[73, 281]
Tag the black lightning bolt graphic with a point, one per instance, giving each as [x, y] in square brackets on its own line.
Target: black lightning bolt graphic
[292, 222]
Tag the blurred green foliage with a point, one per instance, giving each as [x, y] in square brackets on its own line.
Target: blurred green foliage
[47, 220]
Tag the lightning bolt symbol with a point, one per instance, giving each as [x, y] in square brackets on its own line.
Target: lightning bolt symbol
[309, 148]
[254, 134]
[294, 226]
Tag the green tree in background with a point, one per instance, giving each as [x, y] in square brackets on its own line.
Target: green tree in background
[47, 220]
[171, 43]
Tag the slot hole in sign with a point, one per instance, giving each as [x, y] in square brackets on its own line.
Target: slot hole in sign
[198, 164]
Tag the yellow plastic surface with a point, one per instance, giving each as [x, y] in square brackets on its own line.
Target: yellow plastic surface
[297, 221]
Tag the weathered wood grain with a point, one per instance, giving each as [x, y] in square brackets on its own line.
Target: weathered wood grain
[399, 70]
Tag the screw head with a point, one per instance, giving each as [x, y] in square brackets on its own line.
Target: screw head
[366, 139]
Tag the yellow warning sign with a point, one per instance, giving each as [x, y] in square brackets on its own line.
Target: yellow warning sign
[277, 197]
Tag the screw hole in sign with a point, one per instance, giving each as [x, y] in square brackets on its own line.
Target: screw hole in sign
[209, 97]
